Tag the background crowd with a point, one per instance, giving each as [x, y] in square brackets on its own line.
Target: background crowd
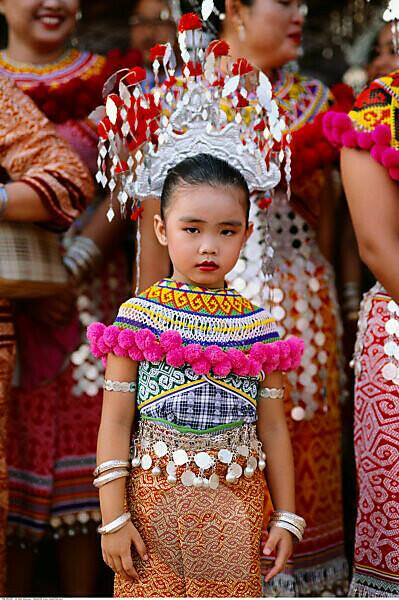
[56, 57]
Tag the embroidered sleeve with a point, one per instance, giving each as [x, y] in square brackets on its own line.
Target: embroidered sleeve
[32, 152]
[371, 125]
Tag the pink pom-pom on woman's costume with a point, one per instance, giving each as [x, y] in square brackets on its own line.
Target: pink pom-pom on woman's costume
[272, 360]
[119, 351]
[242, 369]
[175, 357]
[170, 340]
[285, 357]
[192, 352]
[94, 331]
[254, 367]
[127, 339]
[342, 122]
[214, 354]
[154, 353]
[201, 366]
[365, 140]
[258, 352]
[111, 335]
[297, 347]
[135, 354]
[349, 139]
[390, 158]
[222, 368]
[382, 135]
[145, 338]
[376, 152]
[102, 346]
[236, 357]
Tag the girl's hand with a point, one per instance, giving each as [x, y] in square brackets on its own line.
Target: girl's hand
[117, 551]
[280, 541]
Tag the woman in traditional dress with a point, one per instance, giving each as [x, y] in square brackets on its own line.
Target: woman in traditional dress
[55, 408]
[370, 171]
[302, 291]
[48, 184]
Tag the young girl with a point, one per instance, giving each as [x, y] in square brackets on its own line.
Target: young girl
[205, 367]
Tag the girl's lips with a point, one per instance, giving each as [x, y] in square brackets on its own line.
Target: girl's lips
[296, 38]
[208, 266]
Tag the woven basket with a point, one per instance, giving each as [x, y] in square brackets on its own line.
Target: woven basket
[30, 262]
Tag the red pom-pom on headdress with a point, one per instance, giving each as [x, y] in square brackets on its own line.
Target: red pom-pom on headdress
[135, 76]
[157, 51]
[242, 67]
[218, 48]
[189, 22]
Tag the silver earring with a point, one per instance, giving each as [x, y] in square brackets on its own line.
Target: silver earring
[242, 35]
[78, 16]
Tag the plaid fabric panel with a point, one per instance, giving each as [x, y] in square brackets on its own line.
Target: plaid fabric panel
[184, 399]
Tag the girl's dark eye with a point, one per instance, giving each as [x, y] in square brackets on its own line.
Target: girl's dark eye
[191, 229]
[227, 232]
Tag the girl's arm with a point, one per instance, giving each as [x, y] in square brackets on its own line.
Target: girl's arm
[275, 438]
[373, 199]
[114, 443]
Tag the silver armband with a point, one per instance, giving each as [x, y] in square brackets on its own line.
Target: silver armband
[119, 386]
[273, 393]
[115, 525]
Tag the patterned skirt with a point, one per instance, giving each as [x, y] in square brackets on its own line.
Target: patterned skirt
[54, 427]
[7, 361]
[200, 542]
[376, 567]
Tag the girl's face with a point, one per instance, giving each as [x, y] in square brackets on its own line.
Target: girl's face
[204, 230]
[41, 23]
[273, 30]
[386, 59]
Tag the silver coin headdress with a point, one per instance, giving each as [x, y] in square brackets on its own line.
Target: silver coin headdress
[228, 113]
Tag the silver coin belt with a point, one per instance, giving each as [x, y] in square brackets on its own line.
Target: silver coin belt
[198, 460]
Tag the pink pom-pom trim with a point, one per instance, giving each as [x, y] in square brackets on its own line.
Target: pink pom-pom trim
[340, 131]
[144, 345]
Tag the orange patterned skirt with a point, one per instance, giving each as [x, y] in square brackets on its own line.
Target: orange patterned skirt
[200, 542]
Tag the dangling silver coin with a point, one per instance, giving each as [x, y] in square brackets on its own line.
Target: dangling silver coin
[146, 462]
[180, 457]
[171, 479]
[136, 461]
[203, 460]
[252, 463]
[298, 413]
[187, 478]
[156, 471]
[160, 449]
[214, 481]
[243, 451]
[235, 469]
[225, 456]
[171, 468]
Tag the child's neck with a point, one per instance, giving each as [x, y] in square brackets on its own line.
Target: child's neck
[214, 285]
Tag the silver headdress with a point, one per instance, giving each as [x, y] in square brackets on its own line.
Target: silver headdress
[231, 115]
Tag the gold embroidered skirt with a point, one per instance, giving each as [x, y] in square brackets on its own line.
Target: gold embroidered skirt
[201, 542]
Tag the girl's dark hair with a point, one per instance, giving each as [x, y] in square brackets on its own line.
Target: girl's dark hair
[216, 25]
[199, 170]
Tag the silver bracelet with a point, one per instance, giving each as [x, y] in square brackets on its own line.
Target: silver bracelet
[273, 393]
[290, 517]
[108, 477]
[288, 527]
[3, 199]
[115, 525]
[119, 386]
[115, 463]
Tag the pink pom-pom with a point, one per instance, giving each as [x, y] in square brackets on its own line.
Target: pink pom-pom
[297, 347]
[127, 339]
[154, 353]
[214, 354]
[258, 352]
[242, 369]
[364, 140]
[102, 346]
[390, 158]
[285, 357]
[96, 351]
[170, 340]
[382, 135]
[236, 357]
[94, 331]
[272, 360]
[254, 367]
[394, 173]
[328, 119]
[349, 139]
[222, 368]
[135, 354]
[175, 357]
[202, 366]
[335, 137]
[192, 353]
[377, 152]
[119, 351]
[111, 335]
[145, 339]
[342, 122]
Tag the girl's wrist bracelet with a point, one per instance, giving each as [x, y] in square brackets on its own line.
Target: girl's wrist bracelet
[115, 525]
[110, 476]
